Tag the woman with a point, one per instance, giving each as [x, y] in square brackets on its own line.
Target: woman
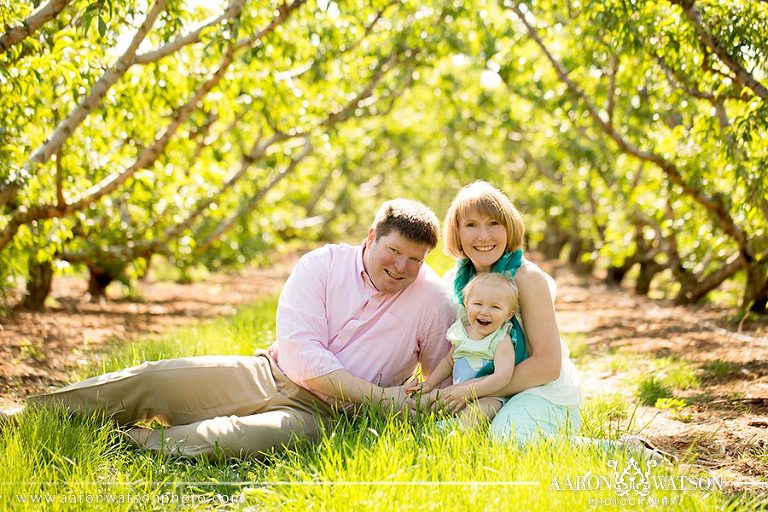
[485, 231]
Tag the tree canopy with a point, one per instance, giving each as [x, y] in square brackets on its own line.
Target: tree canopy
[631, 134]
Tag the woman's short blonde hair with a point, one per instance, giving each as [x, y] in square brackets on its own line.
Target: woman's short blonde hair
[482, 197]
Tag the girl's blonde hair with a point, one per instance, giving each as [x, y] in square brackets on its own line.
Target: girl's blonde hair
[494, 279]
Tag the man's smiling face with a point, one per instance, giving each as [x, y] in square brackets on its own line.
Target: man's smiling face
[393, 261]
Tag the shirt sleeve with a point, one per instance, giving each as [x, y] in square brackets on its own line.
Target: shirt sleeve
[302, 324]
[433, 345]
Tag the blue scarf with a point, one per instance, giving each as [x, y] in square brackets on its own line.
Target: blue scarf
[508, 264]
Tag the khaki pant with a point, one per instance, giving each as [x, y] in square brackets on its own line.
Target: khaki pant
[228, 406]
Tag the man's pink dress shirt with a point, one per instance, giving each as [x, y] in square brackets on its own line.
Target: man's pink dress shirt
[331, 317]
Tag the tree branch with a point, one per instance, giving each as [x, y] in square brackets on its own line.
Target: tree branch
[31, 23]
[147, 156]
[283, 12]
[378, 73]
[60, 202]
[742, 75]
[112, 182]
[7, 193]
[679, 82]
[714, 205]
[260, 148]
[256, 199]
[65, 128]
[232, 10]
[612, 87]
[300, 70]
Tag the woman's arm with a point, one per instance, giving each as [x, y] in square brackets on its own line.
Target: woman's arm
[538, 311]
[455, 397]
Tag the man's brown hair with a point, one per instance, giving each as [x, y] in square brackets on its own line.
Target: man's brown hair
[412, 219]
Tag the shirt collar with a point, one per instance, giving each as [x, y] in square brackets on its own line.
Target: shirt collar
[360, 268]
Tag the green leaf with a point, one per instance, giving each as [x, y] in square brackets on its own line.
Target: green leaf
[102, 27]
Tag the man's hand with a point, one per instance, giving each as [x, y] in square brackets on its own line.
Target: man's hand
[396, 399]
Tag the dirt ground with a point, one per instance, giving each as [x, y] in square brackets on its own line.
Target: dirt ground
[725, 430]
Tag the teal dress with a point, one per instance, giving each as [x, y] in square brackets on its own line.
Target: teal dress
[528, 414]
[508, 264]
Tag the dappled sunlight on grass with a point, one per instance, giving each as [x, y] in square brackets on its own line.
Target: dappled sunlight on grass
[365, 462]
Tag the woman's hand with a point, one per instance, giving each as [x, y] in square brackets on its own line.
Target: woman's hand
[426, 400]
[454, 398]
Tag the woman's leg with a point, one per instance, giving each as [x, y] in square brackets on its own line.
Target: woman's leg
[526, 416]
[479, 411]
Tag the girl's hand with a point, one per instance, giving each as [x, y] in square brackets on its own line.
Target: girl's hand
[420, 388]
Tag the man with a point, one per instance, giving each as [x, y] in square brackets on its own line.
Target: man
[353, 323]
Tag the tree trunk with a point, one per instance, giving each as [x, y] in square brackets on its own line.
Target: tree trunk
[551, 246]
[760, 305]
[144, 273]
[98, 280]
[38, 285]
[578, 247]
[616, 274]
[648, 269]
[694, 287]
[756, 289]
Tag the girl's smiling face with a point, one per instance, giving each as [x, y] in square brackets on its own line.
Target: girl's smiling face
[488, 308]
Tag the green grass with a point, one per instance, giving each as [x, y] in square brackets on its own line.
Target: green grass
[364, 463]
[624, 361]
[719, 368]
[603, 415]
[652, 389]
[677, 373]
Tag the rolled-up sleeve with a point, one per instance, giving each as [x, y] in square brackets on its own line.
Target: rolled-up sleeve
[302, 325]
[433, 345]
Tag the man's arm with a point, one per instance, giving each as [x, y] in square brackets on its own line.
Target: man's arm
[303, 339]
[343, 385]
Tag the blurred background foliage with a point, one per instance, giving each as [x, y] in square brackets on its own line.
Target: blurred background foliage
[632, 134]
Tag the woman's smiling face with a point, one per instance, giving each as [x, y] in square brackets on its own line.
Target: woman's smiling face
[483, 239]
